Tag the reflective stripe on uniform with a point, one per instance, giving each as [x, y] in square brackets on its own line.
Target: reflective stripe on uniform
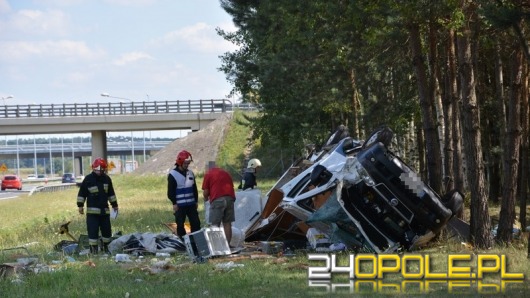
[112, 199]
[95, 210]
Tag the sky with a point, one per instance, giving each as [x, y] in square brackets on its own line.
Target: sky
[72, 51]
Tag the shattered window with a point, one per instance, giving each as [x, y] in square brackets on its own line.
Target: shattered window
[301, 187]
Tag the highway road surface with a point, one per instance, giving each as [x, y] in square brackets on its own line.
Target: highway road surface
[13, 193]
[26, 189]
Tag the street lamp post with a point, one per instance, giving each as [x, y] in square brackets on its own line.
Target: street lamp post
[7, 97]
[73, 158]
[143, 134]
[132, 152]
[34, 156]
[132, 137]
[62, 150]
[108, 95]
[51, 157]
[18, 160]
[4, 99]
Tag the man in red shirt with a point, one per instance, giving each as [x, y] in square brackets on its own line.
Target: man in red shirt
[218, 189]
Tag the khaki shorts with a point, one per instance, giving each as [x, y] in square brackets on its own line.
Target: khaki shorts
[222, 211]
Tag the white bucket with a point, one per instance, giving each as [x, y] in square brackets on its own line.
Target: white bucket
[237, 237]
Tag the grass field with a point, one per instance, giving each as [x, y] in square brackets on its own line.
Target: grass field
[32, 222]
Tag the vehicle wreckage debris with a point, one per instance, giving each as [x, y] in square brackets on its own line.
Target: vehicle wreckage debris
[349, 194]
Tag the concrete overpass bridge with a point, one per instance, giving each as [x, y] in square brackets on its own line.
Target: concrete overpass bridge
[100, 118]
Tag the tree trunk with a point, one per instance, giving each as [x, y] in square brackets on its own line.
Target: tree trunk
[448, 107]
[480, 225]
[525, 169]
[434, 93]
[511, 149]
[420, 141]
[495, 164]
[355, 104]
[458, 160]
[432, 144]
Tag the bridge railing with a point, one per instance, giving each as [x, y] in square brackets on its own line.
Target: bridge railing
[116, 108]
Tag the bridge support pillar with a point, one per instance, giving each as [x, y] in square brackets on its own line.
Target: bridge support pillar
[99, 144]
[78, 166]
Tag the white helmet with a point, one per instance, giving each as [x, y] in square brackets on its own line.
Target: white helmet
[254, 163]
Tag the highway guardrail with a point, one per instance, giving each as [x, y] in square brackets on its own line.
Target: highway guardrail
[52, 188]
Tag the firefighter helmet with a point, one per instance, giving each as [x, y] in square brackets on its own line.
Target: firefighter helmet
[99, 164]
[182, 157]
[254, 163]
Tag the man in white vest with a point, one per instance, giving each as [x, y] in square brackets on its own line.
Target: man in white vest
[182, 192]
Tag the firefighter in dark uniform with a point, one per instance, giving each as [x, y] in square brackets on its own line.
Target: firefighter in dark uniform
[97, 190]
[249, 177]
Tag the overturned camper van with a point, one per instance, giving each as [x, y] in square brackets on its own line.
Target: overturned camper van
[356, 193]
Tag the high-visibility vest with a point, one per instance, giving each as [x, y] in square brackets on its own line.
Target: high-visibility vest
[184, 193]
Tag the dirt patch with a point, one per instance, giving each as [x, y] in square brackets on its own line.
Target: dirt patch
[203, 146]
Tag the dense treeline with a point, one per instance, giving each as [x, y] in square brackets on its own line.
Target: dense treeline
[449, 77]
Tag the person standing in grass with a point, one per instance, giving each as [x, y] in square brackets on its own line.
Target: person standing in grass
[183, 194]
[97, 191]
[249, 177]
[218, 189]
